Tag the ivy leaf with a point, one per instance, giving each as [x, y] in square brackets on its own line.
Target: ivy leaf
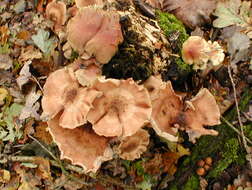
[231, 12]
[9, 127]
[43, 42]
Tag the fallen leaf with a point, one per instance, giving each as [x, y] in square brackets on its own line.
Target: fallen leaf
[31, 105]
[5, 62]
[3, 95]
[4, 34]
[42, 134]
[232, 12]
[24, 75]
[191, 12]
[24, 35]
[19, 7]
[29, 53]
[43, 42]
[4, 176]
[10, 125]
[43, 170]
[170, 160]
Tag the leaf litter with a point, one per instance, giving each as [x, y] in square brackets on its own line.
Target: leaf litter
[30, 50]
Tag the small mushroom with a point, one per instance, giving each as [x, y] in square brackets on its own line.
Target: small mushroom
[205, 112]
[102, 31]
[122, 110]
[56, 11]
[166, 108]
[202, 54]
[62, 93]
[80, 145]
[132, 147]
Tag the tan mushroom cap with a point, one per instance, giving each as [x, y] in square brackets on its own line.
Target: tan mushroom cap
[62, 93]
[85, 3]
[194, 51]
[202, 54]
[87, 21]
[205, 112]
[153, 85]
[122, 110]
[56, 11]
[94, 32]
[104, 44]
[80, 145]
[133, 146]
[166, 108]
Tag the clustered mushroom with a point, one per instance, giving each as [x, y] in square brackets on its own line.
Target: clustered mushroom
[198, 52]
[85, 111]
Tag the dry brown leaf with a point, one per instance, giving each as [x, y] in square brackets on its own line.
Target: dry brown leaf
[191, 12]
[42, 134]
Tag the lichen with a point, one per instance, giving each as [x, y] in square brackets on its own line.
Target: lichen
[173, 29]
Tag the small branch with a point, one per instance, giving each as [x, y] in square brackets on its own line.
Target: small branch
[249, 158]
[235, 129]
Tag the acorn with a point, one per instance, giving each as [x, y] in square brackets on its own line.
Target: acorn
[200, 171]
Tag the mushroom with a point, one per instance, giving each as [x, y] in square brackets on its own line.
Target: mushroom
[62, 93]
[204, 111]
[197, 51]
[153, 85]
[133, 146]
[86, 71]
[102, 31]
[56, 11]
[104, 44]
[85, 3]
[80, 145]
[122, 110]
[166, 108]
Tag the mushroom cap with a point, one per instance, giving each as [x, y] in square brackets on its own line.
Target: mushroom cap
[88, 75]
[85, 3]
[153, 85]
[56, 11]
[87, 21]
[194, 51]
[122, 110]
[104, 44]
[102, 31]
[205, 112]
[217, 53]
[133, 146]
[80, 145]
[62, 93]
[166, 108]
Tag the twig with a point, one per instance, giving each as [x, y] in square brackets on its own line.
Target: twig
[236, 130]
[106, 179]
[239, 118]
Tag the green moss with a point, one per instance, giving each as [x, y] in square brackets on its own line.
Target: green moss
[248, 131]
[225, 146]
[192, 183]
[173, 29]
[230, 154]
[183, 67]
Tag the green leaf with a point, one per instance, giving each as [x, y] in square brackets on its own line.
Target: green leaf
[231, 12]
[9, 127]
[43, 42]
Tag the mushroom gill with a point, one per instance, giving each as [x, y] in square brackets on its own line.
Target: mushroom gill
[62, 93]
[132, 147]
[122, 110]
[80, 145]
